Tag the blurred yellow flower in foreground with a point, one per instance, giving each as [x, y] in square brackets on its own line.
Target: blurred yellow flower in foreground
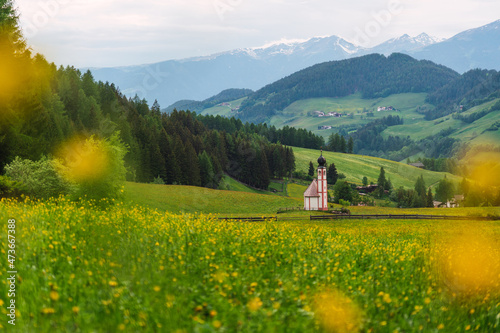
[254, 304]
[470, 263]
[485, 168]
[83, 160]
[337, 312]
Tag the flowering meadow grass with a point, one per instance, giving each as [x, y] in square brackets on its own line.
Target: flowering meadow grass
[135, 269]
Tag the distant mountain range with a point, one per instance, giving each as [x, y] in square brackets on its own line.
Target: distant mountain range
[253, 68]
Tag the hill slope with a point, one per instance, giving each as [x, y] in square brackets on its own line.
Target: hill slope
[373, 76]
[355, 167]
[190, 199]
[198, 106]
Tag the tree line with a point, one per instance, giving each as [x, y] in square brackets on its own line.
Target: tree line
[290, 136]
[473, 88]
[42, 106]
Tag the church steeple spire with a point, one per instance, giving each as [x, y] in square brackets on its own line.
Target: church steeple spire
[322, 160]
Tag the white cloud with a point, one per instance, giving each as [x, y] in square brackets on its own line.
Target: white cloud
[120, 32]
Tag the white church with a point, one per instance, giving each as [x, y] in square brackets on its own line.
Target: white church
[316, 195]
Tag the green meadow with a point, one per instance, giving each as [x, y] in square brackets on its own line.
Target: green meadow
[190, 199]
[355, 167]
[141, 268]
[223, 110]
[415, 125]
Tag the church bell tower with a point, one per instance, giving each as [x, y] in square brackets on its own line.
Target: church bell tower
[322, 184]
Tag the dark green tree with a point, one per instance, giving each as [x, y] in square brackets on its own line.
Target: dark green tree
[365, 181]
[381, 183]
[350, 145]
[332, 174]
[430, 199]
[191, 168]
[445, 190]
[343, 145]
[420, 198]
[464, 187]
[420, 186]
[206, 170]
[342, 191]
[311, 169]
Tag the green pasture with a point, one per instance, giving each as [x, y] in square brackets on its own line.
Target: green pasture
[355, 167]
[190, 199]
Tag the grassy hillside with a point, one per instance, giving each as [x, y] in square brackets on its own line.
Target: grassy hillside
[224, 110]
[190, 199]
[355, 167]
[415, 126]
[296, 114]
[474, 132]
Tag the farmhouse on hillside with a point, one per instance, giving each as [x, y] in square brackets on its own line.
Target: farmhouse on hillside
[419, 165]
[316, 195]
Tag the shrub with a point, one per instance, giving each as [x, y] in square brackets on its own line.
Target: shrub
[37, 179]
[158, 181]
[10, 188]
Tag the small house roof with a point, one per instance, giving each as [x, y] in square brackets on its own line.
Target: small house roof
[417, 164]
[312, 190]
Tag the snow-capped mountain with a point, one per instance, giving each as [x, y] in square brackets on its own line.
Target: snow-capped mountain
[405, 43]
[202, 77]
[474, 48]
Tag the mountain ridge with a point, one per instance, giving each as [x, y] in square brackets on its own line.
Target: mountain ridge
[197, 78]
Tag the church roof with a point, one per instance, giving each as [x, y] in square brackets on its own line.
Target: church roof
[312, 190]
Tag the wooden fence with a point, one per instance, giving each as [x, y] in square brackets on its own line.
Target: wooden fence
[249, 219]
[397, 217]
[361, 217]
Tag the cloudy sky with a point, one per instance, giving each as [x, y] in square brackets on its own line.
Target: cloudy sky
[106, 33]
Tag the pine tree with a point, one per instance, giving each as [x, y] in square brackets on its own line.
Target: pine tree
[88, 85]
[290, 161]
[381, 182]
[365, 181]
[192, 168]
[263, 171]
[332, 174]
[343, 145]
[420, 186]
[350, 145]
[155, 109]
[311, 169]
[206, 170]
[430, 199]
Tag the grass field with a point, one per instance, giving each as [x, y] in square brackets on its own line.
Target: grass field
[190, 199]
[415, 126]
[134, 269]
[474, 132]
[355, 167]
[225, 111]
[234, 185]
[296, 114]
